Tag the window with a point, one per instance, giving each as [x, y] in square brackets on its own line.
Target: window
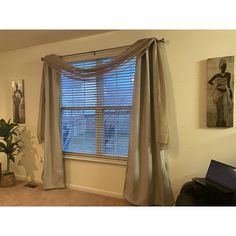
[96, 112]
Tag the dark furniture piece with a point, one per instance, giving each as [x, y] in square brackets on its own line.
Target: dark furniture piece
[194, 194]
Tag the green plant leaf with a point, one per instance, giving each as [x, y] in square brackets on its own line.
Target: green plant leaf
[8, 132]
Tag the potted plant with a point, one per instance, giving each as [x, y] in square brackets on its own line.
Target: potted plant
[10, 145]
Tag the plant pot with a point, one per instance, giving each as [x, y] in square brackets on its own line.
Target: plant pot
[8, 180]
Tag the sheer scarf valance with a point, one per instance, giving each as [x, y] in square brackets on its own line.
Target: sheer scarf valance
[58, 65]
[135, 50]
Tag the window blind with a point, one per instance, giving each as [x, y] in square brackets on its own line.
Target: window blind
[96, 112]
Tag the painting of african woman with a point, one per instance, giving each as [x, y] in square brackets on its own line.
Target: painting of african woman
[220, 91]
[18, 101]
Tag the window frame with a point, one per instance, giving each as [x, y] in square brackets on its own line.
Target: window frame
[98, 156]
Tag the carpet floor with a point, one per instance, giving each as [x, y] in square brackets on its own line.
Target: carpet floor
[22, 195]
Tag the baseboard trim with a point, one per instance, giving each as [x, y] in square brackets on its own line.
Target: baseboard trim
[80, 188]
[95, 191]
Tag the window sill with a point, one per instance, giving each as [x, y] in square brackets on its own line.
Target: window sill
[107, 160]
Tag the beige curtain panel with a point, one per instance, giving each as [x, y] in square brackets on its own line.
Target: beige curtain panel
[49, 124]
[147, 180]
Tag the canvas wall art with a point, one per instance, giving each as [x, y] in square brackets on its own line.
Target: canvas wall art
[220, 91]
[18, 101]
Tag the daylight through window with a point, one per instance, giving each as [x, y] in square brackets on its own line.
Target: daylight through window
[96, 112]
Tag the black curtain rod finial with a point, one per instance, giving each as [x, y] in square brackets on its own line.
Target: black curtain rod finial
[162, 40]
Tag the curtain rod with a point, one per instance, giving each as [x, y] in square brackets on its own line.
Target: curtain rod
[162, 40]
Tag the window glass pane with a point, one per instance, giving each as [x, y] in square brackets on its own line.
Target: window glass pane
[95, 117]
[118, 85]
[79, 131]
[116, 128]
[79, 93]
[85, 64]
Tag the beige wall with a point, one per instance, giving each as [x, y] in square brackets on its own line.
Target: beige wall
[192, 145]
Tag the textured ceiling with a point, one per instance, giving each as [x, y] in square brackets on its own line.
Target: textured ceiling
[16, 39]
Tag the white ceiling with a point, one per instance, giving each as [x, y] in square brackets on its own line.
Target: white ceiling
[16, 39]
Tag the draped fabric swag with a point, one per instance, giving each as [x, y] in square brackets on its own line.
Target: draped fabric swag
[147, 180]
